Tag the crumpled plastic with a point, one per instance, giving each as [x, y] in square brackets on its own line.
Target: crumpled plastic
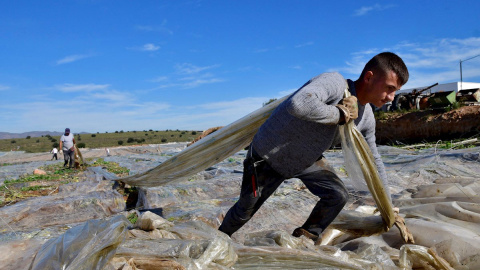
[87, 246]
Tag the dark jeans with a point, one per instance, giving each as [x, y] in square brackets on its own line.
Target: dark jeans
[319, 178]
[69, 157]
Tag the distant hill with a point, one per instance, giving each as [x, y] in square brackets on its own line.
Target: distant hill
[8, 135]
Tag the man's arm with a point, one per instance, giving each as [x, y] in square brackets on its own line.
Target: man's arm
[316, 100]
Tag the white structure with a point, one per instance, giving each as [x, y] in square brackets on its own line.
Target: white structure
[445, 87]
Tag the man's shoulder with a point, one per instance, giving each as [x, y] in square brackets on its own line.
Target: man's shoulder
[329, 76]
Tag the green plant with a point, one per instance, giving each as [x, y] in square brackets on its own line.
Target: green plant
[120, 142]
[81, 145]
[132, 217]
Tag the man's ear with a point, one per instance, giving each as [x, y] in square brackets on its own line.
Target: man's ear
[368, 76]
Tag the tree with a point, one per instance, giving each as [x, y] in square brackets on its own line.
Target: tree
[120, 142]
[28, 137]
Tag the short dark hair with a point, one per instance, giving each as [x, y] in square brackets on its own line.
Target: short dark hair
[387, 61]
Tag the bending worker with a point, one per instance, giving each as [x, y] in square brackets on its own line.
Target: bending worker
[291, 142]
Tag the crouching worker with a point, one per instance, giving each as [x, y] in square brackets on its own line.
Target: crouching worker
[291, 142]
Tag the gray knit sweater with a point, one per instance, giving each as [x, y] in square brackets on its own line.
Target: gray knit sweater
[306, 124]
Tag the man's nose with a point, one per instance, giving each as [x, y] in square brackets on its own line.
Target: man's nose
[390, 97]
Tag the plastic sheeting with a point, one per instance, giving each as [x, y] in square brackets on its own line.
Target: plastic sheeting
[444, 223]
[88, 246]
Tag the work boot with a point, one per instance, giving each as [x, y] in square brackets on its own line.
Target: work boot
[301, 231]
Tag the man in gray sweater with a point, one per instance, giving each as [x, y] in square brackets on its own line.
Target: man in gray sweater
[291, 142]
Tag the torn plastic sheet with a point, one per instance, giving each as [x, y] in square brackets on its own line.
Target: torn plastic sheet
[88, 246]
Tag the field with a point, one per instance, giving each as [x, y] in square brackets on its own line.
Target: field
[98, 140]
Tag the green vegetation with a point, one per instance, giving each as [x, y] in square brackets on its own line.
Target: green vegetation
[451, 144]
[98, 140]
[112, 167]
[32, 185]
[132, 217]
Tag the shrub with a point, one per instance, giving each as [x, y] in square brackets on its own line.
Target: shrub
[53, 140]
[38, 140]
[28, 137]
[55, 145]
[164, 140]
[194, 133]
[120, 142]
[81, 145]
[13, 141]
[268, 102]
[94, 135]
[130, 140]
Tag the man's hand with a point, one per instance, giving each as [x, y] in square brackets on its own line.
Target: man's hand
[349, 108]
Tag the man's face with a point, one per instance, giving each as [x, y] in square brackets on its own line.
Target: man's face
[382, 88]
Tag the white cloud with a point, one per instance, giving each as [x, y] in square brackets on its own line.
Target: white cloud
[187, 68]
[428, 63]
[156, 28]
[364, 10]
[150, 47]
[4, 87]
[72, 58]
[67, 87]
[310, 43]
[159, 79]
[188, 75]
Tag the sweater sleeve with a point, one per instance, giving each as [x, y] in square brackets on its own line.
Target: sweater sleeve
[316, 100]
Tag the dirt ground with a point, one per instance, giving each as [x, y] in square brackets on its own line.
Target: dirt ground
[429, 125]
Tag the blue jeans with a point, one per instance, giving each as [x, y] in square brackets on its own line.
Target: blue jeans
[319, 178]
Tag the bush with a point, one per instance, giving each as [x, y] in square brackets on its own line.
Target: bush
[28, 137]
[38, 141]
[94, 135]
[120, 142]
[130, 140]
[194, 133]
[53, 139]
[164, 140]
[81, 145]
[140, 140]
[55, 145]
[13, 141]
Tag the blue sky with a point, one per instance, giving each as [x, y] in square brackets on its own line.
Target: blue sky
[98, 66]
